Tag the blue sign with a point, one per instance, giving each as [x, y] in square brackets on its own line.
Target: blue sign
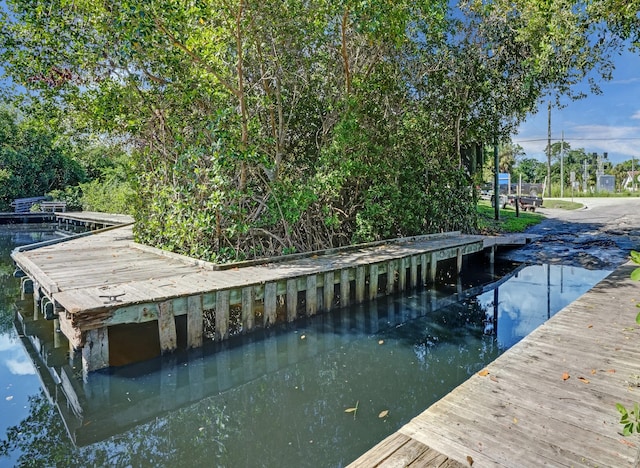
[503, 178]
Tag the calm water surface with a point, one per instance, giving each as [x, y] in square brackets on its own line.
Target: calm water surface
[276, 399]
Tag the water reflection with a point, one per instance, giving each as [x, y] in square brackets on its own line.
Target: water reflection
[276, 398]
[531, 297]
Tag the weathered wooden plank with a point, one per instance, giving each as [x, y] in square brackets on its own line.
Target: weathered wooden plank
[373, 281]
[405, 454]
[402, 274]
[345, 288]
[360, 284]
[311, 295]
[328, 290]
[292, 299]
[248, 311]
[459, 260]
[194, 321]
[413, 261]
[433, 267]
[270, 304]
[433, 458]
[391, 276]
[222, 315]
[423, 269]
[167, 327]
[95, 352]
[381, 451]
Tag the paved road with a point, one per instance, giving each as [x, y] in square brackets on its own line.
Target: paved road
[598, 236]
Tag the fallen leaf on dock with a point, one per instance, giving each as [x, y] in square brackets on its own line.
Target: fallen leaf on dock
[583, 380]
[493, 378]
[565, 376]
[483, 373]
[626, 442]
[383, 414]
[470, 460]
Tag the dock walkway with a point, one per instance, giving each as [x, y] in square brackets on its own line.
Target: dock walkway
[548, 401]
[95, 282]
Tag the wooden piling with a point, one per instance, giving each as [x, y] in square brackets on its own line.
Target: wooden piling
[95, 352]
[194, 321]
[292, 299]
[270, 303]
[311, 295]
[391, 276]
[222, 315]
[373, 281]
[328, 290]
[248, 312]
[166, 327]
[345, 287]
[360, 284]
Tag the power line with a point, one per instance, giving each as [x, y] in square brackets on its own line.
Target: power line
[580, 139]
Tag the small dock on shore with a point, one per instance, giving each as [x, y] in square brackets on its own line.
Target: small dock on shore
[96, 281]
[550, 400]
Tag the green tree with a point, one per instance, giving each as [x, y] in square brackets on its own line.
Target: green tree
[531, 170]
[261, 127]
[33, 160]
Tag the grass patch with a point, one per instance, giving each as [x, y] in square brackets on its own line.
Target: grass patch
[508, 221]
[562, 204]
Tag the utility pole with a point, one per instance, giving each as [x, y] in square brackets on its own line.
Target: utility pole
[562, 167]
[549, 149]
[496, 180]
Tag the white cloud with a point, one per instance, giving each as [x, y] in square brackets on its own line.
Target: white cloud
[636, 116]
[20, 367]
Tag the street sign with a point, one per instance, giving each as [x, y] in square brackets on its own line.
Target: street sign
[572, 176]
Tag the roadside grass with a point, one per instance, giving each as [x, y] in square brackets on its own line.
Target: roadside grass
[562, 204]
[508, 221]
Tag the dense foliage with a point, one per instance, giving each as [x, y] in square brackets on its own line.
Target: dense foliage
[32, 160]
[273, 126]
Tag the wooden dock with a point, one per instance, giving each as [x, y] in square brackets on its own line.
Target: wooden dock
[94, 282]
[548, 401]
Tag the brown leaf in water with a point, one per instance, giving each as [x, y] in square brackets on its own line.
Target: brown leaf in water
[383, 414]
[350, 410]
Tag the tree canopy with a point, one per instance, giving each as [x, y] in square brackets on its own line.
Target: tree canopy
[264, 127]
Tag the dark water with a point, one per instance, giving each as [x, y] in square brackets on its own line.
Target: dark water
[276, 399]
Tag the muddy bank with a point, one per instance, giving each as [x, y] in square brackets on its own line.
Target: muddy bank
[598, 236]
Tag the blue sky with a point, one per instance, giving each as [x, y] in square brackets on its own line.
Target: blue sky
[609, 122]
